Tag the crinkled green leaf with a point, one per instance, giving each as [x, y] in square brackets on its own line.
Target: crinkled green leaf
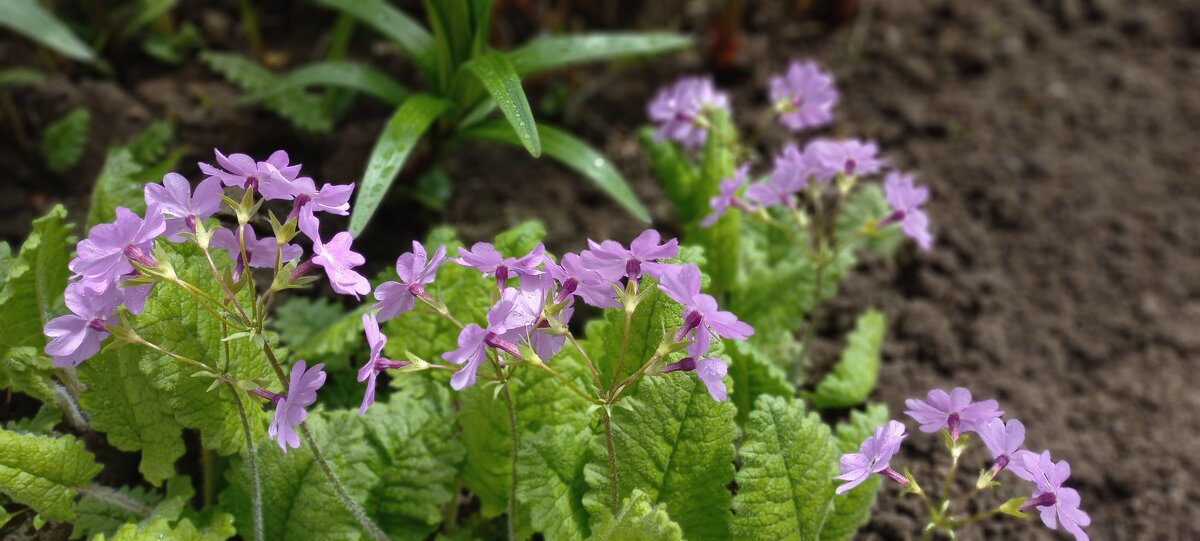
[65, 139]
[487, 438]
[5, 261]
[320, 330]
[852, 510]
[753, 375]
[298, 501]
[675, 171]
[398, 139]
[638, 518]
[44, 472]
[42, 423]
[150, 145]
[500, 79]
[552, 487]
[156, 530]
[27, 370]
[856, 223]
[30, 19]
[104, 510]
[519, 239]
[723, 238]
[417, 456]
[784, 486]
[551, 52]
[676, 445]
[302, 109]
[338, 73]
[120, 184]
[854, 375]
[37, 277]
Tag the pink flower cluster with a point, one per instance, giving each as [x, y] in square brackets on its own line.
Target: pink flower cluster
[956, 413]
[547, 289]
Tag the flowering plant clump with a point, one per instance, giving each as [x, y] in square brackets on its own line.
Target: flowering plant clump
[956, 416]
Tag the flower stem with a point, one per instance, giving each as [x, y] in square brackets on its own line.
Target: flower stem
[367, 524]
[567, 382]
[252, 466]
[587, 360]
[624, 345]
[513, 453]
[613, 489]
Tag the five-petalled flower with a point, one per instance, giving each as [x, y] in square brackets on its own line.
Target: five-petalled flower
[376, 363]
[176, 199]
[1056, 504]
[612, 260]
[678, 110]
[804, 96]
[953, 411]
[335, 257]
[873, 456]
[416, 270]
[76, 337]
[291, 409]
[906, 199]
[700, 312]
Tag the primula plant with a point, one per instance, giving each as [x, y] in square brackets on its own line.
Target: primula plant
[465, 82]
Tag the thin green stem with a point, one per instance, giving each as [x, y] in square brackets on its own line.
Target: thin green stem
[567, 382]
[620, 387]
[360, 515]
[624, 345]
[250, 322]
[187, 360]
[587, 360]
[248, 273]
[613, 489]
[252, 466]
[206, 301]
[513, 455]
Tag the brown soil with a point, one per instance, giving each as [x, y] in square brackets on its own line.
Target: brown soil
[1058, 138]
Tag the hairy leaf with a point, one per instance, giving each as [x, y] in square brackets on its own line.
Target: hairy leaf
[65, 139]
[638, 518]
[44, 472]
[319, 330]
[852, 509]
[339, 73]
[753, 375]
[304, 110]
[104, 510]
[784, 486]
[496, 74]
[120, 184]
[573, 153]
[392, 148]
[854, 375]
[552, 487]
[551, 52]
[220, 530]
[678, 175]
[37, 277]
[30, 19]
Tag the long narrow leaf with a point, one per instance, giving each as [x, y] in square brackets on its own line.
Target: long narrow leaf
[399, 137]
[499, 78]
[30, 19]
[550, 52]
[573, 153]
[393, 23]
[338, 73]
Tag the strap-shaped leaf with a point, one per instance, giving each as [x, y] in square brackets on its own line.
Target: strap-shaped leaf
[30, 19]
[855, 373]
[338, 73]
[393, 23]
[852, 509]
[501, 81]
[784, 485]
[392, 148]
[676, 445]
[37, 276]
[638, 518]
[574, 153]
[551, 52]
[43, 472]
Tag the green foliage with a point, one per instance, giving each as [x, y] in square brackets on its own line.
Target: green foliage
[392, 23]
[338, 73]
[553, 52]
[32, 290]
[497, 75]
[852, 509]
[30, 19]
[676, 445]
[553, 487]
[65, 139]
[304, 110]
[127, 169]
[185, 530]
[104, 510]
[399, 137]
[784, 485]
[320, 330]
[854, 375]
[753, 375]
[638, 518]
[26, 370]
[44, 472]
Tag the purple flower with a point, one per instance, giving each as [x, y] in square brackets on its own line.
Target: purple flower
[575, 278]
[678, 110]
[546, 345]
[952, 411]
[376, 363]
[847, 157]
[1056, 504]
[499, 334]
[906, 199]
[727, 197]
[106, 254]
[710, 370]
[1003, 440]
[290, 409]
[612, 261]
[872, 457]
[790, 174]
[271, 178]
[334, 199]
[700, 311]
[335, 257]
[76, 337]
[416, 271]
[804, 96]
[174, 196]
[260, 251]
[483, 257]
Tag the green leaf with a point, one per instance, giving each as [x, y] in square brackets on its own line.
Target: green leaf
[723, 237]
[677, 447]
[337, 73]
[552, 488]
[41, 424]
[305, 110]
[104, 510]
[185, 530]
[399, 137]
[120, 184]
[65, 139]
[501, 81]
[784, 485]
[43, 472]
[417, 457]
[150, 146]
[30, 19]
[854, 375]
[5, 262]
[856, 222]
[675, 171]
[573, 153]
[298, 502]
[520, 239]
[16, 76]
[852, 509]
[37, 277]
[393, 23]
[753, 375]
[27, 370]
[319, 330]
[638, 518]
[552, 52]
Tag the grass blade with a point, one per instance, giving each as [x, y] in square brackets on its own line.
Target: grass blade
[338, 73]
[551, 52]
[30, 19]
[500, 80]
